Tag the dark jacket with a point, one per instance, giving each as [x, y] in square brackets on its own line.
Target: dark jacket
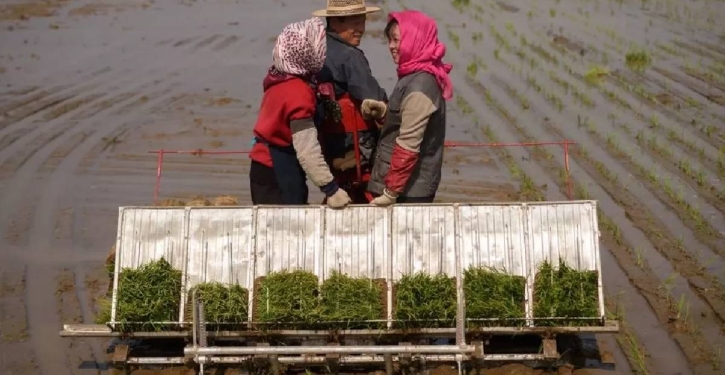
[348, 69]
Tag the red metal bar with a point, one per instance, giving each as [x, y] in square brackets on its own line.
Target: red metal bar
[198, 152]
[159, 162]
[449, 144]
[566, 167]
[522, 144]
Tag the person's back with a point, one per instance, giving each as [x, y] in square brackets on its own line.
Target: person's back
[284, 100]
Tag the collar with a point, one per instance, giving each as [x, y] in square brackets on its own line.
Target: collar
[339, 39]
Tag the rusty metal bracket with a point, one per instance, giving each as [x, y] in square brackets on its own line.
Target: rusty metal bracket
[389, 368]
[550, 351]
[120, 357]
[333, 360]
[478, 352]
[261, 360]
[120, 354]
[268, 360]
[405, 359]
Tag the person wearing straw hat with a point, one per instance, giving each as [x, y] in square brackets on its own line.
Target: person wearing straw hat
[348, 135]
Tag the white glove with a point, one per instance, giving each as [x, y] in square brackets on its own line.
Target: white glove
[386, 199]
[373, 109]
[339, 200]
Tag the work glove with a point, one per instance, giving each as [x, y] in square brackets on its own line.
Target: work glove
[386, 199]
[373, 109]
[338, 200]
[346, 162]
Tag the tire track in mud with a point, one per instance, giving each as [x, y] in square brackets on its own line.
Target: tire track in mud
[106, 87]
[37, 102]
[598, 57]
[70, 88]
[655, 279]
[689, 200]
[13, 321]
[39, 291]
[57, 185]
[706, 151]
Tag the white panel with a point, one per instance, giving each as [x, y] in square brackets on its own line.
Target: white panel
[220, 246]
[356, 242]
[567, 231]
[493, 236]
[230, 246]
[423, 240]
[147, 234]
[288, 238]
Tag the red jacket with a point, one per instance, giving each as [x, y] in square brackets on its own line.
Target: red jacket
[285, 99]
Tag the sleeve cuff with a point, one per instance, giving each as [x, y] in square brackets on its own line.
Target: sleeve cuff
[402, 163]
[330, 188]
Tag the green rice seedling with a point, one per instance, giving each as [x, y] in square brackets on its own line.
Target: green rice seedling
[564, 293]
[492, 294]
[352, 303]
[472, 69]
[103, 305]
[148, 295]
[224, 305]
[638, 60]
[455, 39]
[595, 74]
[425, 301]
[287, 300]
[460, 5]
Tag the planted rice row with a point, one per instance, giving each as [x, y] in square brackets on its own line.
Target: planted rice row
[297, 300]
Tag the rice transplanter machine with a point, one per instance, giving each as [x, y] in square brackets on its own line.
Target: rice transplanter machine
[238, 245]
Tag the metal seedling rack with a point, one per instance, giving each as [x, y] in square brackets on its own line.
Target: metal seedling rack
[236, 245]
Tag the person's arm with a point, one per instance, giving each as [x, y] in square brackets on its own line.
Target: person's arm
[361, 84]
[416, 110]
[307, 145]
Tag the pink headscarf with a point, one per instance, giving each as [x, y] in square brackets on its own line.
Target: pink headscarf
[420, 49]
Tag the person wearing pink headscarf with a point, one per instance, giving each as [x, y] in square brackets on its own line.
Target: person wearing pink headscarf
[409, 157]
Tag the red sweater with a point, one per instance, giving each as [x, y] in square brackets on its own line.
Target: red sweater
[285, 99]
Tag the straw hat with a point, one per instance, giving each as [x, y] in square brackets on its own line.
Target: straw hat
[343, 8]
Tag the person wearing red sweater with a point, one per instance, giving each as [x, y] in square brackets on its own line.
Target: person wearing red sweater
[409, 156]
[286, 150]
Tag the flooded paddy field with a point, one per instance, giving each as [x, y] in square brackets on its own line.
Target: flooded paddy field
[89, 87]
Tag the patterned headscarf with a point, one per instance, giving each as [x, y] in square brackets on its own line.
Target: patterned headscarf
[301, 48]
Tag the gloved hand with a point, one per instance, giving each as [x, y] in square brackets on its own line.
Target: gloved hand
[373, 109]
[386, 199]
[346, 162]
[338, 200]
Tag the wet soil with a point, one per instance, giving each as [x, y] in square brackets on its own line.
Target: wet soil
[88, 87]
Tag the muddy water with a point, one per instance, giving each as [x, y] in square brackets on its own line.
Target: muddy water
[167, 84]
[599, 119]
